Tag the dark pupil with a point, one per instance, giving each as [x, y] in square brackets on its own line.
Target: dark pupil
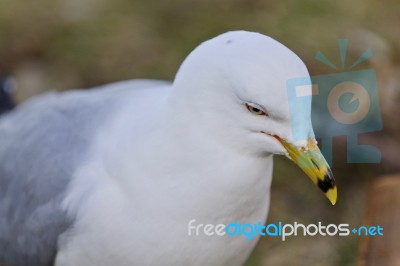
[256, 110]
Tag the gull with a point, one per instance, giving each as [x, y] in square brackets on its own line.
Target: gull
[113, 175]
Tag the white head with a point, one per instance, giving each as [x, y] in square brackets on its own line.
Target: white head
[234, 85]
[237, 71]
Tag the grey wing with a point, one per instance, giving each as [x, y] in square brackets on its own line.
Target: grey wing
[41, 144]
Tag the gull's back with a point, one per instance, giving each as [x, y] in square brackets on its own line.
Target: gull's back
[42, 142]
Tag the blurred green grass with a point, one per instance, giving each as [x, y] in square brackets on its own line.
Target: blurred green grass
[86, 43]
[58, 45]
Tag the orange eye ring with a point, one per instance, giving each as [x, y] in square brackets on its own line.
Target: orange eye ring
[255, 110]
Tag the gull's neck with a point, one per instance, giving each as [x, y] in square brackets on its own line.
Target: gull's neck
[177, 156]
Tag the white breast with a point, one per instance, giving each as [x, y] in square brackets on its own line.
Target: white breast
[146, 222]
[134, 199]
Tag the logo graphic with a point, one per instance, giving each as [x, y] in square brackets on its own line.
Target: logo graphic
[343, 104]
[282, 230]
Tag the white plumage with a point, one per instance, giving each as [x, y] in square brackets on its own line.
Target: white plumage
[150, 156]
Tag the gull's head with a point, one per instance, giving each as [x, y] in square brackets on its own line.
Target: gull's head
[235, 85]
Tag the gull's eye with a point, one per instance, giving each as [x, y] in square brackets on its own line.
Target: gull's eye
[255, 110]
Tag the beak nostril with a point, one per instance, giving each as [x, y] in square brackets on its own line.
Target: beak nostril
[315, 164]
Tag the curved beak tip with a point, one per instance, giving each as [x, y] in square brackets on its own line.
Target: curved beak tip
[331, 194]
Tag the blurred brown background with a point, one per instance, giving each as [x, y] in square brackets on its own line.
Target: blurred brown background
[64, 44]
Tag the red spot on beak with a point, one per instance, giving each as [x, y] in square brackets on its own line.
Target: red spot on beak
[275, 136]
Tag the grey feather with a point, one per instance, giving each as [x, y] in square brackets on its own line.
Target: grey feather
[42, 142]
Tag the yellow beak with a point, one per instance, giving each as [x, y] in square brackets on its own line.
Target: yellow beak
[313, 163]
